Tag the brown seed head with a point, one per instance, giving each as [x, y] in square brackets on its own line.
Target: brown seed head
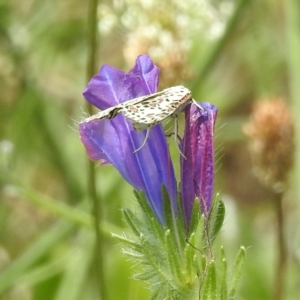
[271, 133]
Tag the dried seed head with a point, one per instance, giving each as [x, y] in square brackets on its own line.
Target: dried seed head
[271, 133]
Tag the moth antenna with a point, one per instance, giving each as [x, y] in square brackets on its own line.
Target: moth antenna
[197, 104]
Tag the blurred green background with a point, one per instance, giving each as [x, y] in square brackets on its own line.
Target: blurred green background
[228, 52]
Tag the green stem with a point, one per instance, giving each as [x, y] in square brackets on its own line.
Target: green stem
[92, 192]
[218, 47]
[281, 248]
[76, 215]
[292, 24]
[292, 16]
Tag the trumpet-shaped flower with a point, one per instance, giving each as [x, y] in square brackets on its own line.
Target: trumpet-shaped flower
[167, 253]
[114, 141]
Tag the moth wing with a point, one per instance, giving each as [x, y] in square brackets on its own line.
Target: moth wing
[156, 107]
[146, 111]
[109, 113]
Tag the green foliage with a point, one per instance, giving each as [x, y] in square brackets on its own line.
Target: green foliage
[216, 218]
[176, 265]
[47, 229]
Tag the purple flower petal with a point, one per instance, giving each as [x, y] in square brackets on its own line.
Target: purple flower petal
[114, 141]
[197, 169]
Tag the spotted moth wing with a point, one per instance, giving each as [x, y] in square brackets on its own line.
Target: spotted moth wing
[156, 107]
[113, 111]
[109, 113]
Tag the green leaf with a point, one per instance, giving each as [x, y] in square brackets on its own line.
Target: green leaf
[158, 230]
[79, 263]
[42, 273]
[189, 255]
[156, 294]
[146, 209]
[75, 215]
[237, 271]
[199, 233]
[176, 227]
[196, 216]
[128, 242]
[133, 253]
[145, 276]
[222, 253]
[209, 289]
[180, 231]
[203, 263]
[167, 208]
[216, 219]
[132, 221]
[155, 261]
[173, 257]
[150, 218]
[222, 275]
[58, 208]
[223, 279]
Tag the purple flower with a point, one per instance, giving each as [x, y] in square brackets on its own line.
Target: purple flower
[197, 169]
[114, 141]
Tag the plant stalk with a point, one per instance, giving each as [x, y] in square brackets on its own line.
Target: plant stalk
[292, 24]
[92, 190]
[280, 271]
[217, 49]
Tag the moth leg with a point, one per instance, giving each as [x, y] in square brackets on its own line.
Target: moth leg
[176, 136]
[144, 142]
[197, 104]
[169, 134]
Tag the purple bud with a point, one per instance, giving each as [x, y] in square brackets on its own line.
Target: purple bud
[197, 168]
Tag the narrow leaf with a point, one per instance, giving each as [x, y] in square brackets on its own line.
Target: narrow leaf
[128, 242]
[209, 290]
[167, 209]
[237, 271]
[173, 258]
[223, 279]
[189, 256]
[132, 221]
[79, 262]
[195, 217]
[199, 233]
[216, 219]
[146, 209]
